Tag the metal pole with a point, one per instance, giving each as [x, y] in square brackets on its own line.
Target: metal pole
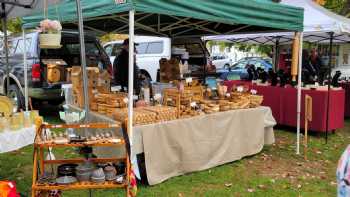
[300, 67]
[277, 43]
[131, 77]
[83, 56]
[25, 69]
[329, 81]
[4, 29]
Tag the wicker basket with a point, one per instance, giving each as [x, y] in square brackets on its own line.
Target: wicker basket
[50, 40]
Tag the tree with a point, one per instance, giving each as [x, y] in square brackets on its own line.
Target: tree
[13, 25]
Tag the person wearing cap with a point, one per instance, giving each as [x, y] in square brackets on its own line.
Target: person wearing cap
[121, 68]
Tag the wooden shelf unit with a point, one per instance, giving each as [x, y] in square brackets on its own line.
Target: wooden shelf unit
[40, 162]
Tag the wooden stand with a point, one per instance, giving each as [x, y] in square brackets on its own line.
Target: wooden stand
[40, 162]
[308, 118]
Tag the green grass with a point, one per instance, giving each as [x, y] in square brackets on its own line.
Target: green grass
[276, 171]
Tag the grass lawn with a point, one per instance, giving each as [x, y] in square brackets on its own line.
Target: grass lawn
[276, 171]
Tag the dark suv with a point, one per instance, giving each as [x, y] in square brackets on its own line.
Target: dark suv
[38, 87]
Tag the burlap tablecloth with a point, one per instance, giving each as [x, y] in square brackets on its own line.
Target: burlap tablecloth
[177, 147]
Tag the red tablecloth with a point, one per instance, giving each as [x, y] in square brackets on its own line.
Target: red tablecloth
[346, 87]
[283, 103]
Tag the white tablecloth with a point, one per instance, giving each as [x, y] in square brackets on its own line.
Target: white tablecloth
[14, 140]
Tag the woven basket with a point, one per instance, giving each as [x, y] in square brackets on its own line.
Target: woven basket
[50, 40]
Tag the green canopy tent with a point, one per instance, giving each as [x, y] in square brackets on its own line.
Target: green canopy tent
[176, 18]
[173, 18]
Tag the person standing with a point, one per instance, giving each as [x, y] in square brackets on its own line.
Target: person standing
[121, 68]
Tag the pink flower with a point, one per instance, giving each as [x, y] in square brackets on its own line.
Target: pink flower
[50, 26]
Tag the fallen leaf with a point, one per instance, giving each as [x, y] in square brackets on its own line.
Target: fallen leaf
[333, 183]
[180, 195]
[228, 184]
[262, 186]
[250, 190]
[273, 180]
[299, 186]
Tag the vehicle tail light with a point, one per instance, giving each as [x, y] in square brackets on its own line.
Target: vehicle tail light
[110, 70]
[36, 72]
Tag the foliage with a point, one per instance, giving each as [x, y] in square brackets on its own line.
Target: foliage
[13, 25]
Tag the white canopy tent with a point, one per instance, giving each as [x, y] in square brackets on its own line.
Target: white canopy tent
[320, 26]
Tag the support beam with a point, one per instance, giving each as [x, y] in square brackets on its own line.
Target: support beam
[300, 68]
[331, 35]
[82, 55]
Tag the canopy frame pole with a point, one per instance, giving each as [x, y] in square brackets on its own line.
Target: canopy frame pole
[131, 77]
[82, 55]
[4, 29]
[300, 68]
[277, 46]
[331, 34]
[25, 69]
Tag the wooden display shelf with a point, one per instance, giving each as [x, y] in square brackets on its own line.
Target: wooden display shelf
[40, 162]
[79, 144]
[80, 186]
[81, 160]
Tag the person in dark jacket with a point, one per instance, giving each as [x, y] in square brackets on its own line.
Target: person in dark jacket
[121, 68]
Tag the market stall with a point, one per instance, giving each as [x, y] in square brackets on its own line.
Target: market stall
[186, 102]
[321, 26]
[282, 101]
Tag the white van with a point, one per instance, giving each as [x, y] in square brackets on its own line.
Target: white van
[150, 50]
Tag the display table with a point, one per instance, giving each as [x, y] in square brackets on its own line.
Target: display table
[14, 140]
[346, 87]
[283, 103]
[186, 145]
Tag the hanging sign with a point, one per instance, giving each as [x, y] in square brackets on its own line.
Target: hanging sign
[118, 2]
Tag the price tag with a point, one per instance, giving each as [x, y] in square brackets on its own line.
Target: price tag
[157, 96]
[116, 88]
[125, 100]
[253, 91]
[240, 88]
[193, 104]
[188, 80]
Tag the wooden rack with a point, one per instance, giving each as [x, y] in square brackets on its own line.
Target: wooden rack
[40, 162]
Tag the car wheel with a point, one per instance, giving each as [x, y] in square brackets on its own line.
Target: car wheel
[16, 97]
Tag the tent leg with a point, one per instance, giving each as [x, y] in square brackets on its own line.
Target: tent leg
[25, 69]
[329, 81]
[4, 29]
[131, 77]
[276, 57]
[300, 67]
[83, 56]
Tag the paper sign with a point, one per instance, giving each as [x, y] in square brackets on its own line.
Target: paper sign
[157, 96]
[253, 91]
[116, 88]
[189, 80]
[125, 100]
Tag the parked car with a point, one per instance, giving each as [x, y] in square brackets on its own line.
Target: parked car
[38, 86]
[151, 49]
[221, 61]
[239, 69]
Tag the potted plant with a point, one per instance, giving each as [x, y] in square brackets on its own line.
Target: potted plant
[50, 34]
